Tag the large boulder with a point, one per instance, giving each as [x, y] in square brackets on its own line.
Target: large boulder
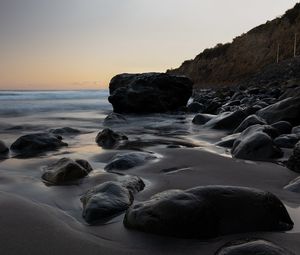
[256, 143]
[252, 247]
[227, 120]
[249, 121]
[66, 170]
[287, 110]
[108, 139]
[287, 141]
[110, 198]
[129, 160]
[149, 92]
[37, 143]
[209, 212]
[283, 127]
[201, 119]
[3, 148]
[294, 160]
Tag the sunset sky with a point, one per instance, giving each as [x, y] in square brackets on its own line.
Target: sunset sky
[81, 44]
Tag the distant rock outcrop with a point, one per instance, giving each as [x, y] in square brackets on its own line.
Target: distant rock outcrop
[149, 92]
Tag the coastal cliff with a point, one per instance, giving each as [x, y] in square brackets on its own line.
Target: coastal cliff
[234, 63]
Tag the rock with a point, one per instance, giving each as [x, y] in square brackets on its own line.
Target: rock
[296, 130]
[108, 139]
[283, 127]
[249, 121]
[227, 120]
[287, 141]
[196, 107]
[293, 186]
[212, 107]
[149, 92]
[104, 201]
[285, 110]
[201, 119]
[228, 141]
[255, 143]
[114, 119]
[209, 212]
[65, 131]
[252, 247]
[110, 198]
[3, 148]
[128, 160]
[37, 143]
[66, 170]
[294, 160]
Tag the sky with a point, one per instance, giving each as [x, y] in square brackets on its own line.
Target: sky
[82, 44]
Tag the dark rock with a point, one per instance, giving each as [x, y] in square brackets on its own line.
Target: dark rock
[255, 143]
[196, 107]
[109, 199]
[249, 121]
[65, 131]
[149, 92]
[128, 160]
[287, 141]
[114, 119]
[296, 130]
[252, 247]
[3, 148]
[104, 201]
[201, 119]
[213, 107]
[228, 141]
[294, 160]
[227, 120]
[209, 212]
[283, 127]
[66, 170]
[37, 143]
[285, 110]
[108, 139]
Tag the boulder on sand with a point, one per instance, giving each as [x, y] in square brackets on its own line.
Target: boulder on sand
[285, 110]
[249, 121]
[256, 143]
[252, 247]
[209, 212]
[37, 143]
[149, 92]
[66, 170]
[110, 198]
[108, 139]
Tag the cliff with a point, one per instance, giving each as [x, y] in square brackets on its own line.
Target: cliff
[246, 55]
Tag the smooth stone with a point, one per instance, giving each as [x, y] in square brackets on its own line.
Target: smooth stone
[283, 127]
[128, 160]
[196, 107]
[201, 119]
[108, 199]
[255, 143]
[285, 110]
[149, 93]
[209, 212]
[294, 160]
[227, 120]
[296, 130]
[108, 139]
[287, 141]
[249, 121]
[66, 170]
[252, 247]
[228, 141]
[37, 143]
